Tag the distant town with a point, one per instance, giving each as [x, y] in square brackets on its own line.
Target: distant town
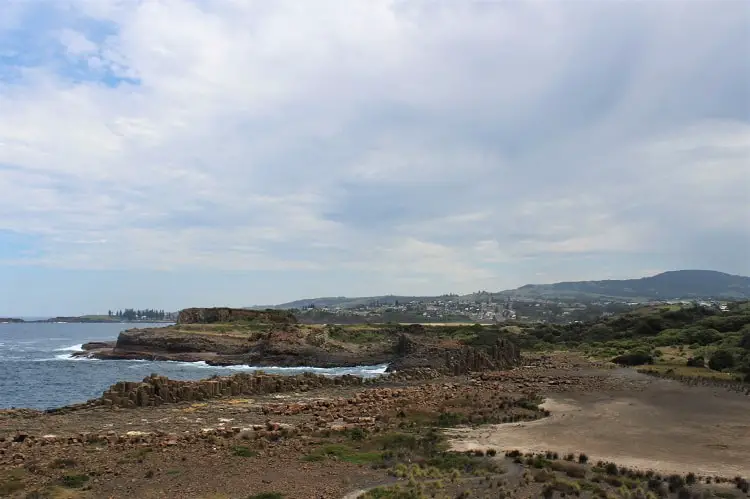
[480, 309]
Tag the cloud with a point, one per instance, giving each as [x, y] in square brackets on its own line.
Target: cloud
[444, 145]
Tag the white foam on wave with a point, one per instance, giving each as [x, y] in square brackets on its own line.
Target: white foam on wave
[366, 371]
[71, 356]
[74, 348]
[325, 371]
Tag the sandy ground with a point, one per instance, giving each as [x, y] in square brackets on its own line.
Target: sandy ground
[666, 427]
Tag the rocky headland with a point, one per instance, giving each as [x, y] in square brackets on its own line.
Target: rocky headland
[224, 336]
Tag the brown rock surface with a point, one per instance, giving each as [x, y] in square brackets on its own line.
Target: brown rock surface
[227, 315]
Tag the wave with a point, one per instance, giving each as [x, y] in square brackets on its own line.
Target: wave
[326, 371]
[365, 371]
[74, 348]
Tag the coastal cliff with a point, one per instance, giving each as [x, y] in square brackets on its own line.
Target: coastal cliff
[228, 315]
[223, 336]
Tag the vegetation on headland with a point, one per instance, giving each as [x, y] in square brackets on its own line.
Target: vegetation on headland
[702, 338]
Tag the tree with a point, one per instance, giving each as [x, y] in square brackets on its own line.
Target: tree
[745, 341]
[720, 360]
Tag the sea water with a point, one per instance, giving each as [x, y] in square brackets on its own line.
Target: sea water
[37, 369]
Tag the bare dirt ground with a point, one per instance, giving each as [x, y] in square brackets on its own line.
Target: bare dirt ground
[191, 450]
[665, 426]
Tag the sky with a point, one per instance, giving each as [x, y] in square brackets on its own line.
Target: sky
[174, 153]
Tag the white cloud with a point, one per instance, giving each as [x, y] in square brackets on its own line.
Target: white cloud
[439, 144]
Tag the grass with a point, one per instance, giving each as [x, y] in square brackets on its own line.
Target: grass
[691, 372]
[75, 481]
[242, 451]
[266, 495]
[10, 485]
[344, 453]
[357, 336]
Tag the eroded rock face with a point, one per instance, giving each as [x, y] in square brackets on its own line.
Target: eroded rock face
[226, 314]
[453, 358]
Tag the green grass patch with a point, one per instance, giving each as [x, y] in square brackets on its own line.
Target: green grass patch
[75, 481]
[344, 453]
[682, 370]
[356, 335]
[242, 451]
[392, 493]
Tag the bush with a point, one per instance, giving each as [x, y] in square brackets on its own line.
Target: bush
[74, 481]
[720, 360]
[244, 452]
[633, 359]
[611, 469]
[745, 341]
[698, 361]
[357, 434]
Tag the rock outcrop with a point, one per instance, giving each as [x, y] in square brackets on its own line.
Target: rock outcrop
[454, 358]
[226, 315]
[268, 343]
[157, 390]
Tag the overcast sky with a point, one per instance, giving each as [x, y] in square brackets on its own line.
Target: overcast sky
[172, 153]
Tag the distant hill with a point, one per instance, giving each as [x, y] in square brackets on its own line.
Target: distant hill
[667, 285]
[672, 285]
[348, 302]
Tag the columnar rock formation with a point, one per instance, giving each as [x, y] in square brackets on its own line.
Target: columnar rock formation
[157, 390]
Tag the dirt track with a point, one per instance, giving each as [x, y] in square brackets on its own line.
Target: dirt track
[667, 427]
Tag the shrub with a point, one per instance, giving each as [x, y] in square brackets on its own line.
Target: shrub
[74, 481]
[267, 495]
[698, 361]
[243, 452]
[633, 359]
[571, 469]
[357, 434]
[720, 360]
[676, 482]
[448, 419]
[745, 341]
[583, 458]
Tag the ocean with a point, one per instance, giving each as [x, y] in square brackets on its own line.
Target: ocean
[38, 371]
